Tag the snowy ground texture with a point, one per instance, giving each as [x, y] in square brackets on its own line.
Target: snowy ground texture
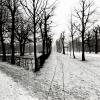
[61, 78]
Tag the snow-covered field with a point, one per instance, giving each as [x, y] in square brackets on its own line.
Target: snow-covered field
[61, 78]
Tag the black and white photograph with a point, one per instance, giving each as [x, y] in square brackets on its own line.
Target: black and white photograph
[49, 49]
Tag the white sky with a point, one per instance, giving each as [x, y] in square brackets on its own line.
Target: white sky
[62, 14]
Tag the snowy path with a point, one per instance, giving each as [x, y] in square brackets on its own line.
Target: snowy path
[81, 79]
[10, 90]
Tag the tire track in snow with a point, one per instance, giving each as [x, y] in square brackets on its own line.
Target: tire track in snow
[66, 94]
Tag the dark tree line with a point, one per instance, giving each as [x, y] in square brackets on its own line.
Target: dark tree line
[40, 16]
[22, 24]
[91, 41]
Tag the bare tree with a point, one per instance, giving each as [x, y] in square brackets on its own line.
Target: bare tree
[83, 14]
[48, 13]
[12, 5]
[63, 37]
[22, 33]
[70, 47]
[72, 31]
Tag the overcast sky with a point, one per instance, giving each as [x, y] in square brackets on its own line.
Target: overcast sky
[62, 14]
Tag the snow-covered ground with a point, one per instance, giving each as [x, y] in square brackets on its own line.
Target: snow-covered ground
[22, 82]
[10, 90]
[78, 80]
[61, 78]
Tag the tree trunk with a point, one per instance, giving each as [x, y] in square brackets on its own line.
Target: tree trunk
[96, 43]
[21, 51]
[1, 34]
[83, 31]
[49, 45]
[3, 44]
[45, 29]
[63, 46]
[35, 55]
[43, 45]
[12, 41]
[34, 34]
[89, 44]
[70, 49]
[73, 47]
[83, 54]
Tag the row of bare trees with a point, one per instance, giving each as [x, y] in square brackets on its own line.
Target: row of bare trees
[24, 21]
[93, 37]
[91, 41]
[40, 19]
[81, 22]
[10, 21]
